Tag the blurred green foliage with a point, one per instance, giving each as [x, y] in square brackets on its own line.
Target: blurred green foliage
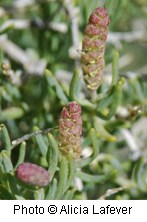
[113, 120]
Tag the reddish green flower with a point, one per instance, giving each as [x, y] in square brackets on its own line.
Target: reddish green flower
[93, 48]
[32, 174]
[70, 130]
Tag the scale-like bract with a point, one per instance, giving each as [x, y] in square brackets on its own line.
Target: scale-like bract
[70, 130]
[93, 48]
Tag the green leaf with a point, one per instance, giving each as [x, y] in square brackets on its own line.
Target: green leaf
[39, 194]
[74, 86]
[137, 89]
[86, 104]
[74, 91]
[52, 155]
[54, 84]
[139, 171]
[95, 146]
[5, 138]
[51, 190]
[5, 194]
[101, 132]
[19, 197]
[2, 170]
[69, 194]
[63, 178]
[93, 178]
[11, 113]
[94, 143]
[106, 100]
[22, 152]
[71, 165]
[6, 162]
[115, 101]
[41, 142]
[1, 57]
[13, 184]
[115, 68]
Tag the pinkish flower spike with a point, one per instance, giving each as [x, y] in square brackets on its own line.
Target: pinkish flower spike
[32, 174]
[93, 48]
[70, 130]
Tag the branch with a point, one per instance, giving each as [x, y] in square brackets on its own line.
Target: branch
[31, 65]
[115, 38]
[73, 15]
[22, 4]
[40, 24]
[110, 192]
[133, 143]
[28, 136]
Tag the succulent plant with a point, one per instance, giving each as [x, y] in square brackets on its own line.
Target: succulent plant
[41, 155]
[32, 174]
[93, 47]
[70, 130]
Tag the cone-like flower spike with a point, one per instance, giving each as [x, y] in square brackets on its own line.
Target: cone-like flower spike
[70, 130]
[93, 48]
[32, 174]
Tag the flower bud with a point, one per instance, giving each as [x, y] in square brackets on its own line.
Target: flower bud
[93, 48]
[32, 174]
[70, 130]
